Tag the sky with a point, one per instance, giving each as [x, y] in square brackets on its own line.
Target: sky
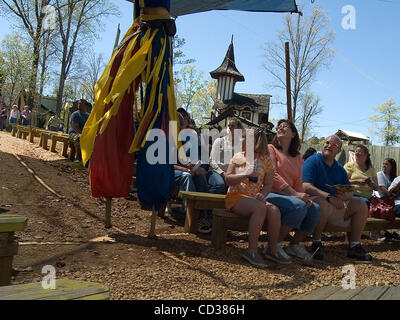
[362, 75]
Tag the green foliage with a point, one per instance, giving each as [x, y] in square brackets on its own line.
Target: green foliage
[15, 63]
[195, 94]
[386, 123]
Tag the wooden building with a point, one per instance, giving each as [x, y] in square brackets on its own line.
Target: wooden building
[251, 109]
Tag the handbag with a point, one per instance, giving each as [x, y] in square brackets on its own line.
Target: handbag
[382, 208]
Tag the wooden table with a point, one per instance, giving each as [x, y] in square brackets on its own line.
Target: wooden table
[359, 293]
[65, 290]
[9, 223]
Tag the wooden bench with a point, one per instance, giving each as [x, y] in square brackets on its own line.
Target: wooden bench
[34, 132]
[65, 290]
[224, 220]
[22, 131]
[9, 223]
[64, 138]
[196, 201]
[44, 138]
[14, 129]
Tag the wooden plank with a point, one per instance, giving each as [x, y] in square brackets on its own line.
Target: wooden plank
[201, 195]
[345, 294]
[392, 293]
[65, 290]
[370, 293]
[319, 294]
[12, 222]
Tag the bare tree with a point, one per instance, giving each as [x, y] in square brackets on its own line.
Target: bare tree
[78, 24]
[309, 40]
[94, 67]
[309, 109]
[30, 16]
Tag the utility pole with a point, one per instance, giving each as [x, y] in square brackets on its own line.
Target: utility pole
[288, 93]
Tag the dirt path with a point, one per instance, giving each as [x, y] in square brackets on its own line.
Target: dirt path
[66, 230]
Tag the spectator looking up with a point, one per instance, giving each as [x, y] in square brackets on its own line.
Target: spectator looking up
[337, 207]
[298, 211]
[249, 183]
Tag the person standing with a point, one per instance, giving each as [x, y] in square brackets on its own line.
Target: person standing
[26, 116]
[14, 116]
[3, 116]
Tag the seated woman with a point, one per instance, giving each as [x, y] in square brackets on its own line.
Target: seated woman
[249, 183]
[297, 210]
[362, 174]
[385, 179]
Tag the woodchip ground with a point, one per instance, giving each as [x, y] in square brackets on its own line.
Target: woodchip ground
[66, 230]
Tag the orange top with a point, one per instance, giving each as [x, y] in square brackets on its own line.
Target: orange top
[288, 170]
[263, 165]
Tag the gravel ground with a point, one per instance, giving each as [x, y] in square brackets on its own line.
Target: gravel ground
[66, 230]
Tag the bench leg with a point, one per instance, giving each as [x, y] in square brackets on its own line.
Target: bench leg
[192, 217]
[218, 233]
[8, 248]
[53, 144]
[65, 150]
[44, 143]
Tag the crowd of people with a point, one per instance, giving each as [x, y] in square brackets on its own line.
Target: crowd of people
[77, 120]
[290, 192]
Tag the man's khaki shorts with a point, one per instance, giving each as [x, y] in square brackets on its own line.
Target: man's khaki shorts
[336, 216]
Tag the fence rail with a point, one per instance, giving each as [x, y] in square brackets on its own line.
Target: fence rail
[378, 154]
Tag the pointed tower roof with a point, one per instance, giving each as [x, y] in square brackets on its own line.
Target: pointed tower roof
[228, 67]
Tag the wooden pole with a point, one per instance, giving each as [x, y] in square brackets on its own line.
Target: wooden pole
[108, 212]
[288, 93]
[152, 233]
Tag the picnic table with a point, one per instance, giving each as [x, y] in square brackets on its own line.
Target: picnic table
[9, 223]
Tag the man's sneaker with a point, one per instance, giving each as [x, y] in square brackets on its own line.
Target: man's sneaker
[280, 251]
[204, 226]
[254, 259]
[317, 250]
[375, 235]
[357, 252]
[297, 250]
